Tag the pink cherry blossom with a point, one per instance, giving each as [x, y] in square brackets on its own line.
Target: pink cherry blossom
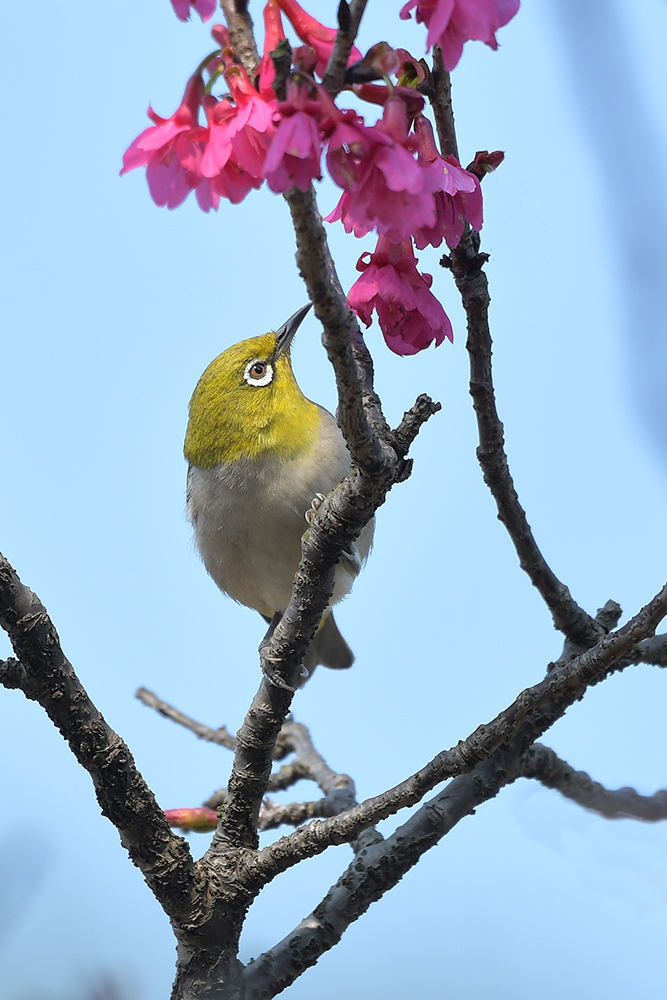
[205, 8]
[313, 33]
[350, 145]
[239, 136]
[459, 199]
[172, 150]
[410, 316]
[389, 190]
[294, 156]
[451, 23]
[225, 175]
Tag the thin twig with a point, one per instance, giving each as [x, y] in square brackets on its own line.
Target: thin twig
[653, 650]
[220, 736]
[440, 98]
[547, 767]
[467, 266]
[273, 814]
[349, 19]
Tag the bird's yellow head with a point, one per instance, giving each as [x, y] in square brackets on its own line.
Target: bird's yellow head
[247, 404]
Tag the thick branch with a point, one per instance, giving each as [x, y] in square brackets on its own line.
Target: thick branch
[373, 872]
[46, 676]
[377, 869]
[542, 763]
[359, 414]
[541, 705]
[378, 464]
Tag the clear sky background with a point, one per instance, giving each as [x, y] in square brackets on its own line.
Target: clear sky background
[112, 308]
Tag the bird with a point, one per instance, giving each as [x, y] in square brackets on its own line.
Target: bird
[261, 457]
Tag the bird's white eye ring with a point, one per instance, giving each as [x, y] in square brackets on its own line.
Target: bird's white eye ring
[258, 372]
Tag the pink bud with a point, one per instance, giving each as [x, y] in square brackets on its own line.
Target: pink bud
[197, 818]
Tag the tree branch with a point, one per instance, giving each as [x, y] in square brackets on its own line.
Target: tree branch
[440, 98]
[378, 464]
[373, 872]
[540, 705]
[46, 676]
[653, 650]
[241, 33]
[466, 264]
[221, 736]
[349, 19]
[542, 763]
[359, 413]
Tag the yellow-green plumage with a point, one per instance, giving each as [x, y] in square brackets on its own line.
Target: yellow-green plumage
[230, 419]
[259, 452]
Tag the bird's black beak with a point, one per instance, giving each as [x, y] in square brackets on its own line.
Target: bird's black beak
[285, 334]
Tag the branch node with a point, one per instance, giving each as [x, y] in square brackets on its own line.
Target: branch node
[13, 674]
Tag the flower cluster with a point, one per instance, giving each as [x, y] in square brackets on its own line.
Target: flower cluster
[409, 314]
[394, 181]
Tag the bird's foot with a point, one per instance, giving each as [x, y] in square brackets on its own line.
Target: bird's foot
[311, 513]
[271, 675]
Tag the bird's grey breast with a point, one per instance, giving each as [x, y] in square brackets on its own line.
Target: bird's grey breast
[249, 517]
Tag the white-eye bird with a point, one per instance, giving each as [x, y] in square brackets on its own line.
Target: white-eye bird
[259, 453]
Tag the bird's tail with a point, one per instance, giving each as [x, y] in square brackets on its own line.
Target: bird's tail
[328, 647]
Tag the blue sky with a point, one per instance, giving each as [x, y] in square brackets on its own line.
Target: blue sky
[114, 307]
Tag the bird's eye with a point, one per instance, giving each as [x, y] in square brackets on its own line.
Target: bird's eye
[258, 372]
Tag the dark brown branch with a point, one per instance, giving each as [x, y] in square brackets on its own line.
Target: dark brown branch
[241, 34]
[378, 464]
[466, 264]
[349, 19]
[542, 763]
[653, 650]
[46, 676]
[374, 871]
[440, 98]
[359, 413]
[412, 422]
[272, 814]
[221, 736]
[541, 704]
[339, 521]
[377, 869]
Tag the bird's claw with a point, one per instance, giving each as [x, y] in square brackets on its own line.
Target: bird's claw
[272, 676]
[311, 513]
